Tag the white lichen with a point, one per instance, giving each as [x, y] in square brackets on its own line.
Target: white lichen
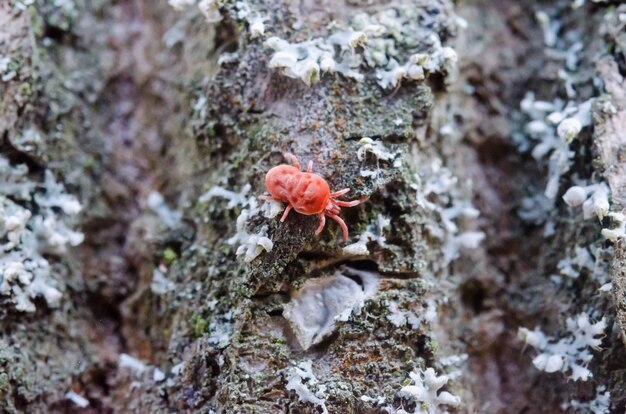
[436, 58]
[133, 364]
[30, 230]
[400, 317]
[594, 199]
[374, 233]
[77, 399]
[454, 210]
[6, 74]
[221, 329]
[551, 128]
[570, 353]
[370, 41]
[455, 244]
[160, 284]
[379, 152]
[139, 368]
[250, 245]
[618, 232]
[425, 391]
[315, 309]
[307, 60]
[601, 404]
[572, 266]
[181, 4]
[210, 9]
[376, 401]
[303, 381]
[170, 217]
[568, 129]
[376, 148]
[257, 27]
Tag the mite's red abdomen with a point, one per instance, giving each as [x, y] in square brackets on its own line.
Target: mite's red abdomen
[310, 194]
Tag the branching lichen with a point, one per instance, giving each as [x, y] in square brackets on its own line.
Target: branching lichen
[569, 353]
[33, 229]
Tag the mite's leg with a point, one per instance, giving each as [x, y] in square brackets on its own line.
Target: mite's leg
[309, 167]
[287, 210]
[343, 226]
[350, 203]
[322, 224]
[339, 193]
[292, 158]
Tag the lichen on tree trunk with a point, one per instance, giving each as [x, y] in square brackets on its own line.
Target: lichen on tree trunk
[188, 295]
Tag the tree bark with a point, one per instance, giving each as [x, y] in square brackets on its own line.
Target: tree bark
[163, 121]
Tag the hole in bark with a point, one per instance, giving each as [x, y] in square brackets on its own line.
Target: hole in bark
[437, 82]
[275, 312]
[17, 157]
[365, 264]
[473, 295]
[226, 36]
[423, 347]
[54, 32]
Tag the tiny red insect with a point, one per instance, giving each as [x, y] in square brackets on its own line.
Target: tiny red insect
[307, 193]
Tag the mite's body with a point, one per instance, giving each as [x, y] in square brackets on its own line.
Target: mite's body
[307, 193]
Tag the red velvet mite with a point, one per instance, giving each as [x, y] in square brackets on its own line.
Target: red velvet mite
[307, 193]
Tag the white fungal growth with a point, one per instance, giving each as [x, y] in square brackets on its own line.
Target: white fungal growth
[570, 353]
[454, 212]
[572, 266]
[305, 60]
[315, 309]
[374, 233]
[569, 129]
[257, 27]
[160, 284]
[575, 196]
[438, 59]
[551, 127]
[77, 399]
[601, 404]
[6, 74]
[132, 363]
[371, 41]
[303, 381]
[210, 9]
[24, 271]
[181, 4]
[377, 148]
[377, 401]
[399, 317]
[594, 199]
[234, 199]
[156, 202]
[380, 152]
[468, 240]
[251, 245]
[138, 367]
[424, 390]
[549, 27]
[618, 232]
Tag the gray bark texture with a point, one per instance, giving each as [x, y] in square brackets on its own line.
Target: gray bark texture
[469, 283]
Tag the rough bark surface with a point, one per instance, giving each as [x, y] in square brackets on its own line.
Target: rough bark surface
[131, 99]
